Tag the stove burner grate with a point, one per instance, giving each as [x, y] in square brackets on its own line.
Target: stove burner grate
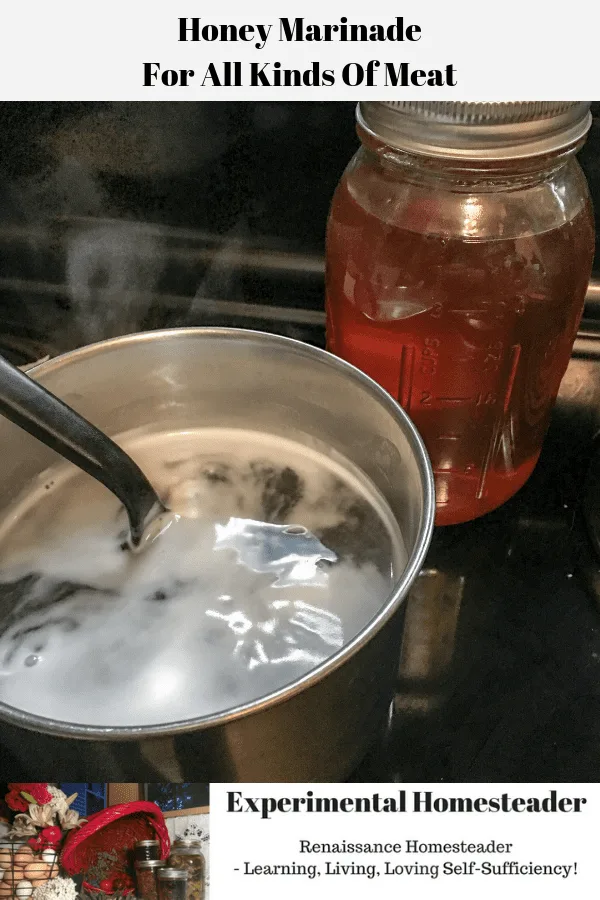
[24, 350]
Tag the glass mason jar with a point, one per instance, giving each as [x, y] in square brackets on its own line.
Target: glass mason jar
[172, 884]
[187, 854]
[459, 249]
[146, 876]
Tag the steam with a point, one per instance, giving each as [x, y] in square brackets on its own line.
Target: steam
[74, 208]
[112, 271]
[111, 266]
[219, 278]
[93, 269]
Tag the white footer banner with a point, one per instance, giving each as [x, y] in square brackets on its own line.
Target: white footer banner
[382, 840]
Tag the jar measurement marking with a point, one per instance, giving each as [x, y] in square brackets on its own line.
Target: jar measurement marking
[515, 356]
[429, 357]
[487, 461]
[499, 427]
[407, 365]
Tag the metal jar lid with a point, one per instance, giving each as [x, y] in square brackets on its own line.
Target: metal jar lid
[150, 864]
[479, 131]
[167, 874]
[187, 846]
[148, 843]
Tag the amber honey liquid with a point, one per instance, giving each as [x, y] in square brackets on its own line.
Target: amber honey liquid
[471, 336]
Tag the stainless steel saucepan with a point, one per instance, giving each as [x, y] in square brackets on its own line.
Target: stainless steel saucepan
[319, 727]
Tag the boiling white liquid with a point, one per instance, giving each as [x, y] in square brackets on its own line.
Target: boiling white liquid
[227, 605]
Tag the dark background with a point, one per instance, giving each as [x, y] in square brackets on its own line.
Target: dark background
[265, 169]
[171, 797]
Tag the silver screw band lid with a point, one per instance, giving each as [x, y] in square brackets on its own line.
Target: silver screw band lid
[478, 131]
[167, 874]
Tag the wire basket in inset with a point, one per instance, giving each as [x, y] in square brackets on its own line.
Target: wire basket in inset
[24, 869]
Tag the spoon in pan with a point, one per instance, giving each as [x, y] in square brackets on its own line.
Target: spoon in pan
[43, 415]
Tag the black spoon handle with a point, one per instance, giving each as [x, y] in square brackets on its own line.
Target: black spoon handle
[43, 415]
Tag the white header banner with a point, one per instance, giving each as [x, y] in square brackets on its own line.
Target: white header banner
[150, 50]
[270, 841]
